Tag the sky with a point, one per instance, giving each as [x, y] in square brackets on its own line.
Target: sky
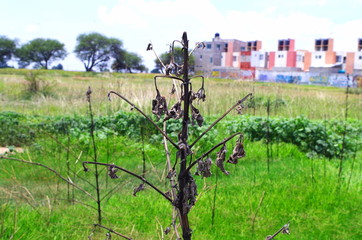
[139, 22]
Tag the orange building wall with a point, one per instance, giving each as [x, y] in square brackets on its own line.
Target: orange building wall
[330, 57]
[349, 62]
[307, 60]
[271, 60]
[229, 55]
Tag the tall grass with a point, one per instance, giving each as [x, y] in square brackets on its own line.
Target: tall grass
[286, 99]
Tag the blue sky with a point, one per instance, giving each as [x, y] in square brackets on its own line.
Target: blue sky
[137, 22]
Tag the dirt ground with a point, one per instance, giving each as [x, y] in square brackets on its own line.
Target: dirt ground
[4, 150]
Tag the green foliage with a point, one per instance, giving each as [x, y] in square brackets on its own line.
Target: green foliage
[127, 61]
[41, 51]
[94, 49]
[324, 138]
[314, 137]
[7, 49]
[15, 130]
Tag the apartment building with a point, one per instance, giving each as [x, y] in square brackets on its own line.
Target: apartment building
[218, 53]
[247, 56]
[285, 56]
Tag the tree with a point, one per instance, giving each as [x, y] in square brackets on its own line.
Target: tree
[7, 50]
[128, 61]
[94, 48]
[41, 51]
[178, 59]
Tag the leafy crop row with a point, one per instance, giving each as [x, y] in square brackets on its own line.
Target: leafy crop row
[323, 138]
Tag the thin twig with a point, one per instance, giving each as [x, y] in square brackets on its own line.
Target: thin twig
[112, 231]
[131, 173]
[52, 170]
[149, 119]
[220, 118]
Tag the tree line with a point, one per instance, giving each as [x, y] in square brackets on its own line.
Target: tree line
[95, 50]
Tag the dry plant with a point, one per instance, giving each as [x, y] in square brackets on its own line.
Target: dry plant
[183, 189]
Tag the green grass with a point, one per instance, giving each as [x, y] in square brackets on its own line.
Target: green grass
[33, 203]
[306, 192]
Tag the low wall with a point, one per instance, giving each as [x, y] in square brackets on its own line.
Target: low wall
[312, 78]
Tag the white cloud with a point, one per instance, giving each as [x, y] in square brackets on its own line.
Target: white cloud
[32, 28]
[165, 20]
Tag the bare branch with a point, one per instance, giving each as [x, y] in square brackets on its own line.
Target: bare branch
[131, 173]
[52, 170]
[149, 119]
[112, 231]
[220, 118]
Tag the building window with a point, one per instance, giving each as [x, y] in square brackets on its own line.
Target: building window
[338, 58]
[211, 60]
[261, 57]
[200, 56]
[218, 47]
[208, 46]
[242, 48]
[234, 58]
[280, 56]
[360, 57]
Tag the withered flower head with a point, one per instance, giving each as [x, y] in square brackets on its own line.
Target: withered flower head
[138, 189]
[149, 47]
[112, 172]
[221, 158]
[159, 105]
[197, 116]
[240, 109]
[88, 93]
[238, 152]
[286, 229]
[204, 167]
[85, 169]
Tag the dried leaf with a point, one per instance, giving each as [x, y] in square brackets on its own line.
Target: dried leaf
[221, 158]
[138, 189]
[201, 94]
[190, 193]
[238, 152]
[204, 167]
[167, 230]
[175, 112]
[112, 172]
[197, 116]
[183, 147]
[171, 174]
[159, 105]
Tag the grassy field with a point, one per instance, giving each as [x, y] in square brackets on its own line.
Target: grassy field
[250, 203]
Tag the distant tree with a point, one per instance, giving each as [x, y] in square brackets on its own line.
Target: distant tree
[58, 67]
[178, 58]
[128, 61]
[7, 50]
[40, 51]
[94, 49]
